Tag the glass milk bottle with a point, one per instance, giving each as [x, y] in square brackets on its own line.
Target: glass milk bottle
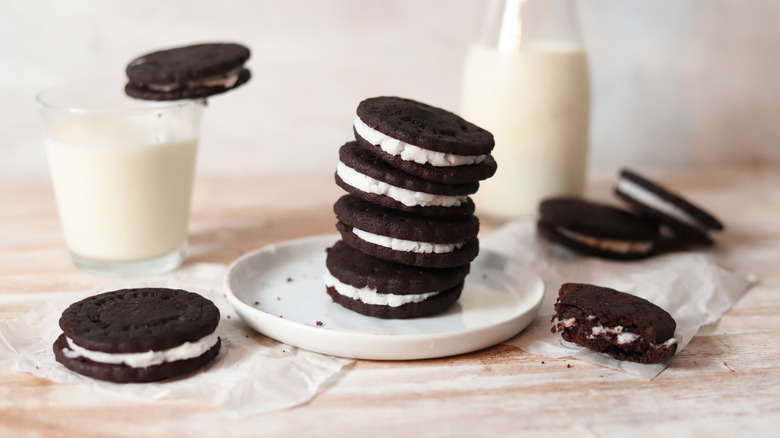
[526, 81]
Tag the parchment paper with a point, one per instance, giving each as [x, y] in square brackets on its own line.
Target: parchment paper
[252, 373]
[688, 285]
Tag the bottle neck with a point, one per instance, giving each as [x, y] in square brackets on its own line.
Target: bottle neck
[511, 24]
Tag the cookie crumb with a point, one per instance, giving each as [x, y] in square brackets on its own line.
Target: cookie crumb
[542, 362]
[228, 317]
[319, 323]
[257, 303]
[568, 365]
[289, 279]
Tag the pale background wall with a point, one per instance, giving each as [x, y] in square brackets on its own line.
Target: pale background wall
[674, 82]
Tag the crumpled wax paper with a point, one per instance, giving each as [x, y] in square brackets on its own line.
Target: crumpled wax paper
[252, 373]
[688, 285]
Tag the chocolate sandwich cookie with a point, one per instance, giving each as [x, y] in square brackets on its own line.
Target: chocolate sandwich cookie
[406, 238]
[424, 141]
[362, 174]
[621, 325]
[688, 221]
[597, 230]
[189, 72]
[138, 335]
[383, 289]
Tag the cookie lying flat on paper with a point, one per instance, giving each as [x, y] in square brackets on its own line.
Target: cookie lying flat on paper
[362, 174]
[138, 335]
[647, 198]
[382, 289]
[597, 230]
[405, 238]
[189, 72]
[424, 141]
[621, 325]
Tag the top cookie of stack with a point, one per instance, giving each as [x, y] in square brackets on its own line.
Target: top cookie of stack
[409, 174]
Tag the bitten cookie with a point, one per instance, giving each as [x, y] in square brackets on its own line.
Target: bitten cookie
[138, 335]
[424, 141]
[405, 238]
[189, 72]
[621, 325]
[382, 289]
[362, 174]
[688, 221]
[597, 230]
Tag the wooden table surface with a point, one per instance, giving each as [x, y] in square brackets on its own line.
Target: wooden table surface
[726, 382]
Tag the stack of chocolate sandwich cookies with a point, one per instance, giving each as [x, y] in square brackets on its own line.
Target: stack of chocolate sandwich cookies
[407, 223]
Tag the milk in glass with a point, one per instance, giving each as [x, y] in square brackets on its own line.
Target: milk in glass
[121, 193]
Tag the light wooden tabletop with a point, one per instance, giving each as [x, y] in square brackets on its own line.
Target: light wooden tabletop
[726, 382]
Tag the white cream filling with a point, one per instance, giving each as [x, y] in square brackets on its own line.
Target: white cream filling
[187, 350]
[410, 152]
[652, 200]
[406, 245]
[619, 246]
[407, 197]
[625, 337]
[560, 325]
[226, 80]
[370, 296]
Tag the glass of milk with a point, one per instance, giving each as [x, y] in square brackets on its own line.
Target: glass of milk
[122, 172]
[526, 81]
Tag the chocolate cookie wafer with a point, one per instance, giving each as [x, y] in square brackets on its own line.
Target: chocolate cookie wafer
[189, 72]
[689, 221]
[383, 289]
[597, 230]
[138, 335]
[362, 174]
[425, 141]
[406, 238]
[616, 323]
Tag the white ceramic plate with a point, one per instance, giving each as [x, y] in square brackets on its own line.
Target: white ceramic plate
[278, 290]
